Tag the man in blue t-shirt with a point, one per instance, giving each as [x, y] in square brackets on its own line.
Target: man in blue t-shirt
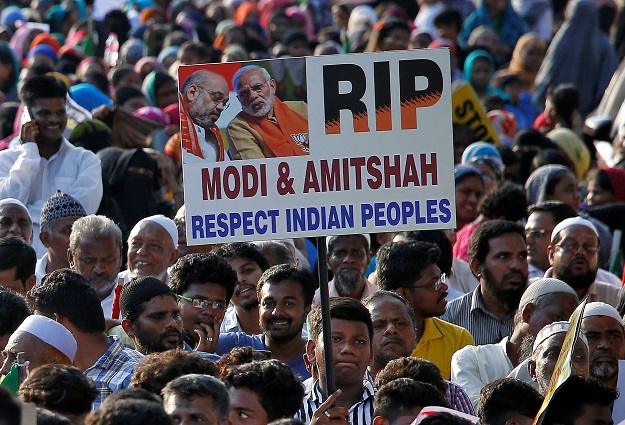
[285, 293]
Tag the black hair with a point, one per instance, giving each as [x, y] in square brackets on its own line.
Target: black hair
[400, 396]
[343, 308]
[13, 311]
[125, 93]
[246, 250]
[175, 38]
[334, 239]
[281, 272]
[15, 252]
[70, 295]
[132, 394]
[42, 87]
[60, 388]
[10, 407]
[444, 418]
[270, 380]
[120, 72]
[414, 368]
[565, 99]
[558, 209]
[196, 385]
[388, 294]
[479, 243]
[199, 269]
[195, 48]
[449, 16]
[438, 238]
[399, 264]
[98, 80]
[157, 369]
[505, 397]
[129, 412]
[508, 201]
[572, 397]
[601, 179]
[277, 252]
[7, 58]
[549, 157]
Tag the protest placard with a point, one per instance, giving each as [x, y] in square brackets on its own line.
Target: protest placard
[317, 146]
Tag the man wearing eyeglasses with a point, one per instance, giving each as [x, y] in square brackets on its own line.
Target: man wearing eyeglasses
[204, 284]
[543, 217]
[266, 127]
[574, 257]
[409, 269]
[204, 96]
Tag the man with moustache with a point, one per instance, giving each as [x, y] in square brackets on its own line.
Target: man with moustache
[57, 216]
[249, 263]
[410, 270]
[498, 258]
[67, 297]
[574, 258]
[151, 315]
[544, 301]
[204, 96]
[348, 258]
[603, 328]
[546, 350]
[204, 284]
[394, 329]
[266, 127]
[15, 220]
[95, 251]
[285, 293]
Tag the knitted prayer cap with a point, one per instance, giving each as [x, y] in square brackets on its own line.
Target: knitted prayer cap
[139, 290]
[542, 287]
[61, 205]
[551, 329]
[165, 222]
[573, 221]
[602, 309]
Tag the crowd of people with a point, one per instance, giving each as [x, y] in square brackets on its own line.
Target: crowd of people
[108, 317]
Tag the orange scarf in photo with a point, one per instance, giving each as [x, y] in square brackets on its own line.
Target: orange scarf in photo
[190, 139]
[281, 138]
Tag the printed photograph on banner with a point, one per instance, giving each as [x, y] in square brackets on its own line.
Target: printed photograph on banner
[246, 110]
[324, 145]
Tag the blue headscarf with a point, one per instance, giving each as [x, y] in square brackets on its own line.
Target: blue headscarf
[88, 96]
[468, 66]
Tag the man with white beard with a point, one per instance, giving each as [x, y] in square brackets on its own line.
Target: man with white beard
[266, 127]
[347, 258]
[603, 328]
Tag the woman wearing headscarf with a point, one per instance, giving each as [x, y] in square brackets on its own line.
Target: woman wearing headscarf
[359, 26]
[160, 89]
[605, 186]
[573, 148]
[9, 72]
[469, 191]
[21, 40]
[89, 96]
[148, 64]
[479, 67]
[579, 54]
[527, 57]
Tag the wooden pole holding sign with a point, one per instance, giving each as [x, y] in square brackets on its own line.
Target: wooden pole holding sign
[322, 269]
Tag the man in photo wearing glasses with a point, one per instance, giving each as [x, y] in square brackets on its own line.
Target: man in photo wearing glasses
[203, 98]
[409, 269]
[574, 257]
[266, 127]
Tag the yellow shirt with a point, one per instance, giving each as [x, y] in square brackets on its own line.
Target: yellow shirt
[439, 342]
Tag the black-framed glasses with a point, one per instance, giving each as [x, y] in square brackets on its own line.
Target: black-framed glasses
[436, 285]
[573, 247]
[535, 233]
[217, 97]
[256, 88]
[204, 303]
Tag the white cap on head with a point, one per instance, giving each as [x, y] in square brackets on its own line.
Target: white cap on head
[542, 287]
[602, 309]
[550, 330]
[7, 201]
[573, 221]
[50, 332]
[165, 222]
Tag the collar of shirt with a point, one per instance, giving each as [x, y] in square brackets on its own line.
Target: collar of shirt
[367, 392]
[478, 304]
[108, 358]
